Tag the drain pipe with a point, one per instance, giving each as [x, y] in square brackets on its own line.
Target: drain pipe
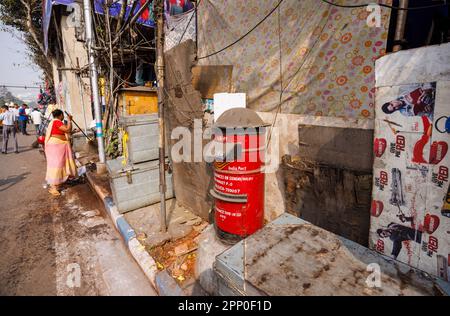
[401, 25]
[94, 82]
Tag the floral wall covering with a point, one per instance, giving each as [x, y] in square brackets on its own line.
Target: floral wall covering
[327, 54]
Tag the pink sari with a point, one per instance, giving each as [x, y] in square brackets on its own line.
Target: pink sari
[60, 162]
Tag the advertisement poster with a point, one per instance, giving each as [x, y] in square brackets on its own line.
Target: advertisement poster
[410, 214]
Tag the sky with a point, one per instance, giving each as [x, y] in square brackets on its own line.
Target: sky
[16, 68]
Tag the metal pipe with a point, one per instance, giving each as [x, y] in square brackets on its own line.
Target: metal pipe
[94, 79]
[401, 25]
[80, 87]
[162, 142]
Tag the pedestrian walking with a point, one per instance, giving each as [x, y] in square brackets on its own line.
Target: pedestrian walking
[9, 119]
[60, 162]
[16, 109]
[28, 113]
[36, 117]
[23, 119]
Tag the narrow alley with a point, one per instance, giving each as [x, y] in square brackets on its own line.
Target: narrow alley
[46, 241]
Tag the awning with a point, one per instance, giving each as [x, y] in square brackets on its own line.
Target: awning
[47, 15]
[145, 19]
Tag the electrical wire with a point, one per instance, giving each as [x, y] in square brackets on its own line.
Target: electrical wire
[283, 90]
[190, 20]
[385, 6]
[281, 78]
[187, 26]
[246, 34]
[18, 86]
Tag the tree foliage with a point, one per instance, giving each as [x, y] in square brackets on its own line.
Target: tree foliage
[25, 16]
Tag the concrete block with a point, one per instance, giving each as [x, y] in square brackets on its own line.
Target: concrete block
[109, 203]
[145, 261]
[292, 257]
[125, 229]
[209, 247]
[443, 286]
[166, 285]
[113, 213]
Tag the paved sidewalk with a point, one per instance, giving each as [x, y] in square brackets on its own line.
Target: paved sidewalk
[45, 241]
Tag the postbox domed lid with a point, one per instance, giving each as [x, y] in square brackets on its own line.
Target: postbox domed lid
[239, 118]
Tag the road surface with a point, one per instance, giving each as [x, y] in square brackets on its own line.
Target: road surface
[58, 245]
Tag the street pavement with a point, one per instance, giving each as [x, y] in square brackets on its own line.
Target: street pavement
[58, 245]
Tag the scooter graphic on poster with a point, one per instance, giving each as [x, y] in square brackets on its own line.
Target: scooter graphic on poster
[397, 197]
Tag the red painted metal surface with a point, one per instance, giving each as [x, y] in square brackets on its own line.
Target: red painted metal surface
[239, 185]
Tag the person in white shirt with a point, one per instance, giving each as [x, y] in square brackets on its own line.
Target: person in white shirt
[16, 109]
[36, 117]
[9, 119]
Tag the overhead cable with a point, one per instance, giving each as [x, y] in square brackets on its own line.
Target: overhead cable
[246, 34]
[19, 86]
[189, 23]
[385, 6]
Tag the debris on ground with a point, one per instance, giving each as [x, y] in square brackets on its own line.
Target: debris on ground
[178, 257]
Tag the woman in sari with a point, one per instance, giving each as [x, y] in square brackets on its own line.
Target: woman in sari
[60, 163]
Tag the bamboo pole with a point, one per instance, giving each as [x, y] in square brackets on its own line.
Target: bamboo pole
[160, 78]
[401, 25]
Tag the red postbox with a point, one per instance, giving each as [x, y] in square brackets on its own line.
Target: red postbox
[238, 174]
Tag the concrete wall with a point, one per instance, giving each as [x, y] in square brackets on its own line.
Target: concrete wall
[68, 89]
[287, 126]
[329, 181]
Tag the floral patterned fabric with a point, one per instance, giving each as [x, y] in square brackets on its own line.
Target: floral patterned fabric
[328, 54]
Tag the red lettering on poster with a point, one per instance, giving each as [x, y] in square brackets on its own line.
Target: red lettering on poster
[443, 173]
[400, 143]
[433, 244]
[380, 246]
[384, 178]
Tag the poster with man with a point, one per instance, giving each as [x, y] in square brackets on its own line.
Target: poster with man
[415, 100]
